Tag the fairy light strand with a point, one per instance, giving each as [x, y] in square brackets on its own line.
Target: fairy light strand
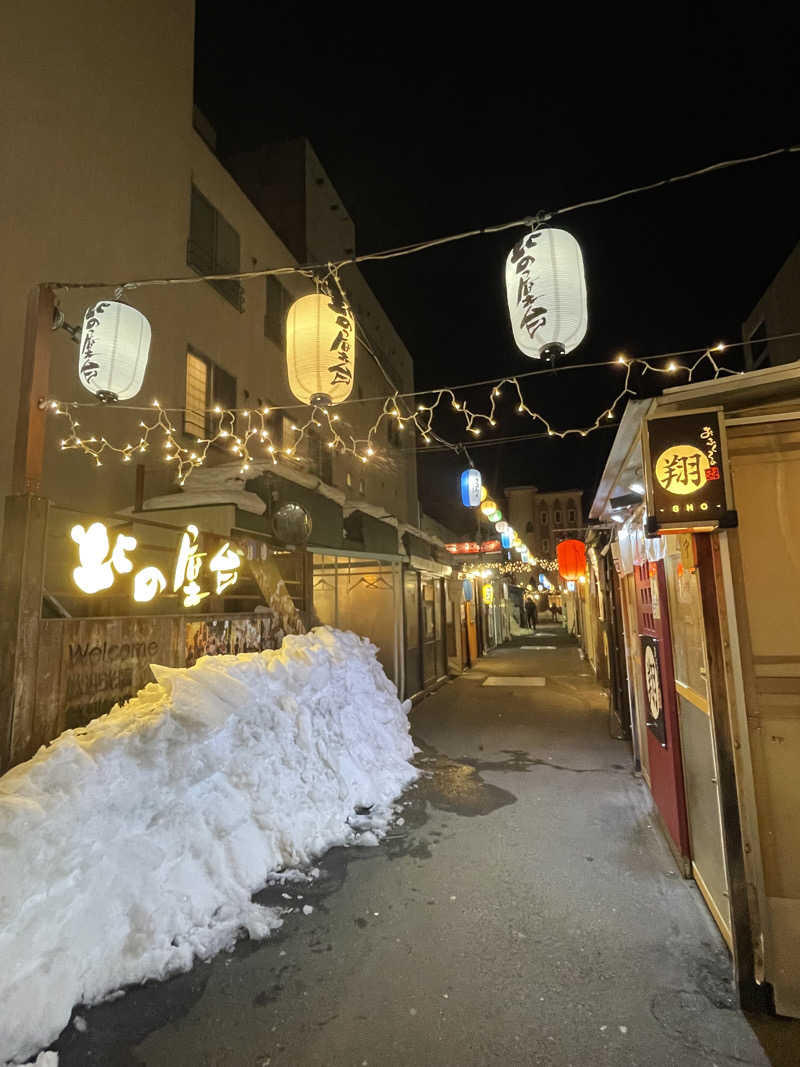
[246, 432]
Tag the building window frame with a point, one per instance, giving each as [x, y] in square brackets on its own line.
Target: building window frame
[214, 247]
[277, 300]
[219, 386]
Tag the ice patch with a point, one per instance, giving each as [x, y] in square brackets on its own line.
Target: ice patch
[133, 846]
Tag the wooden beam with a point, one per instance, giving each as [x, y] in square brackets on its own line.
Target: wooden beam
[35, 383]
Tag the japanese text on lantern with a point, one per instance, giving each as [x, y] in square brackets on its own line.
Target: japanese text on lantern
[100, 564]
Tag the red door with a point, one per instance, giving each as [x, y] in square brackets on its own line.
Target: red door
[663, 740]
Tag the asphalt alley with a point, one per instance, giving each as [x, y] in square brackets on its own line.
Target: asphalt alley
[525, 911]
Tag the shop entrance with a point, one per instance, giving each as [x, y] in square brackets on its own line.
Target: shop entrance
[700, 771]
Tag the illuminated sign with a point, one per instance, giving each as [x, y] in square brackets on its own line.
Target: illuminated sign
[491, 546]
[100, 564]
[464, 548]
[686, 475]
[488, 594]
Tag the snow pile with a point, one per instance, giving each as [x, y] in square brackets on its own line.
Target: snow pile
[132, 846]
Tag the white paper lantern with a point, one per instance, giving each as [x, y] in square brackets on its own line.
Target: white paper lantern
[546, 291]
[115, 343]
[320, 350]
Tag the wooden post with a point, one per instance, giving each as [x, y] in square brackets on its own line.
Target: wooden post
[31, 418]
[24, 539]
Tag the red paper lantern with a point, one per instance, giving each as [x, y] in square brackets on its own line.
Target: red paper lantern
[571, 560]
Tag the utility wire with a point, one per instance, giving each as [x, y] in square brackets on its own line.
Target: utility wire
[310, 269]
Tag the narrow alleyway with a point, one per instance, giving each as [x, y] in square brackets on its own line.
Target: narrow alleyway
[527, 911]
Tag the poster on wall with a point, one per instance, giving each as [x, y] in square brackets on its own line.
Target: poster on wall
[231, 636]
[652, 688]
[686, 472]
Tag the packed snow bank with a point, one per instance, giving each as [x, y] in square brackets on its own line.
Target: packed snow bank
[132, 846]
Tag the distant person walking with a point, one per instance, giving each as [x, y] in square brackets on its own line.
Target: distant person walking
[530, 611]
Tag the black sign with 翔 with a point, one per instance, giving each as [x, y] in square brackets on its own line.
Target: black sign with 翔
[686, 472]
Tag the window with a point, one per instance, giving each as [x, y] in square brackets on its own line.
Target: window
[207, 385]
[572, 515]
[557, 518]
[278, 300]
[758, 344]
[545, 544]
[362, 488]
[529, 527]
[544, 518]
[213, 248]
[349, 480]
[393, 432]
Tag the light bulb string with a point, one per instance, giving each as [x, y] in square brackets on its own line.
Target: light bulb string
[310, 269]
[246, 431]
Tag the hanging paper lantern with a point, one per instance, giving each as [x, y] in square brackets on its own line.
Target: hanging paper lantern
[484, 493]
[471, 488]
[546, 292]
[495, 516]
[112, 357]
[320, 350]
[488, 506]
[506, 539]
[571, 560]
[501, 526]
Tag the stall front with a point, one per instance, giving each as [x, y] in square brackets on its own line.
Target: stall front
[718, 692]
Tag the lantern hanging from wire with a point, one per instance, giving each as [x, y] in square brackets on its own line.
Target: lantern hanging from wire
[501, 526]
[546, 290]
[506, 539]
[471, 488]
[115, 344]
[488, 506]
[320, 350]
[571, 560]
[495, 516]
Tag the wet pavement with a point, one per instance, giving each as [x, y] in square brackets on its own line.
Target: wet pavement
[525, 911]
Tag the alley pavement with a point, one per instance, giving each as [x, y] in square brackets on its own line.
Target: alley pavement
[525, 911]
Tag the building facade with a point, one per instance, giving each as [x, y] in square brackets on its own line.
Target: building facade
[776, 313]
[544, 519]
[144, 195]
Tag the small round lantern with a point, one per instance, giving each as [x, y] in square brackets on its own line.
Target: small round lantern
[320, 350]
[495, 516]
[506, 539]
[501, 526]
[115, 344]
[546, 291]
[471, 488]
[488, 506]
[571, 560]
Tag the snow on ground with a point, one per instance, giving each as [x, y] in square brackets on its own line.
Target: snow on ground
[133, 846]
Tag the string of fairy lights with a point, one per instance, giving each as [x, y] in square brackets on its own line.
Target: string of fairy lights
[248, 433]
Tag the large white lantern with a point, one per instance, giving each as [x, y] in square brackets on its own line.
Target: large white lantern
[546, 291]
[320, 350]
[112, 357]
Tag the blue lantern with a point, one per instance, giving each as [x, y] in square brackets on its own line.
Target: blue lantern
[471, 488]
[506, 538]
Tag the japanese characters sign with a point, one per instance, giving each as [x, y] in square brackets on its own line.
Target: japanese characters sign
[652, 688]
[687, 486]
[103, 557]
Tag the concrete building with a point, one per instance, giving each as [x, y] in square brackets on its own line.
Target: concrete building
[110, 175]
[776, 313]
[544, 519]
[111, 179]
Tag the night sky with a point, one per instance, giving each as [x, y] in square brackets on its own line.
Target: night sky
[427, 129]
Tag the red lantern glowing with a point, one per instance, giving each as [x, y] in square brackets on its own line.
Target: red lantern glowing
[571, 560]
